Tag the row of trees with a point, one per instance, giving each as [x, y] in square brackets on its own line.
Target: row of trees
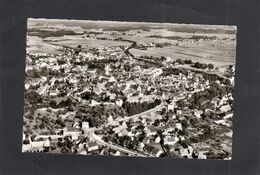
[161, 59]
[51, 33]
[203, 65]
[174, 71]
[195, 65]
[198, 98]
[139, 107]
[213, 78]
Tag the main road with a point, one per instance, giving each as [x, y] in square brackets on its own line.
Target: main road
[90, 133]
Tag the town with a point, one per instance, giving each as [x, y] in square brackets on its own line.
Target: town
[114, 100]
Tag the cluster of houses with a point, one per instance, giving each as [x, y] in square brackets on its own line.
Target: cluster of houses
[47, 142]
[153, 138]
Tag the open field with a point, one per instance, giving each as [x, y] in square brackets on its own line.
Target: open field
[220, 51]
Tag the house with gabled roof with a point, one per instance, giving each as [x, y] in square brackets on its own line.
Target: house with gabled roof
[152, 150]
[170, 140]
[150, 130]
[92, 146]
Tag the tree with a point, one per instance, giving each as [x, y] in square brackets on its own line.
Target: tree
[204, 66]
[106, 138]
[67, 142]
[156, 122]
[180, 61]
[26, 141]
[210, 66]
[61, 61]
[60, 122]
[188, 62]
[35, 73]
[197, 65]
[227, 82]
[35, 127]
[42, 126]
[33, 97]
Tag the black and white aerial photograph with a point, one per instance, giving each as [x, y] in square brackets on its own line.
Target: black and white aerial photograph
[140, 89]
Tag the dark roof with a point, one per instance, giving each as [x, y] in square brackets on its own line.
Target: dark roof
[91, 144]
[151, 149]
[151, 128]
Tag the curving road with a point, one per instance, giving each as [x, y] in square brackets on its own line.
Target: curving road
[90, 133]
